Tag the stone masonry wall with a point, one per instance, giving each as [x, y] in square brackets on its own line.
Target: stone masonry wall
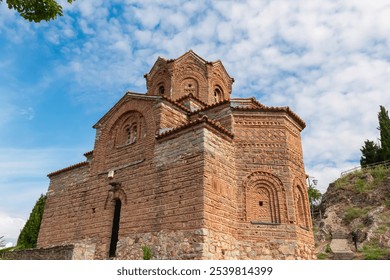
[171, 117]
[63, 207]
[220, 191]
[165, 245]
[53, 253]
[220, 113]
[170, 210]
[224, 246]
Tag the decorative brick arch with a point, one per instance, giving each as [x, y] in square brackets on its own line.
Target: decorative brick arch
[220, 76]
[115, 194]
[218, 83]
[106, 147]
[128, 129]
[301, 204]
[196, 77]
[218, 93]
[265, 199]
[160, 79]
[190, 85]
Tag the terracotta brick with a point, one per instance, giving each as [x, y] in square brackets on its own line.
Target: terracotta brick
[199, 175]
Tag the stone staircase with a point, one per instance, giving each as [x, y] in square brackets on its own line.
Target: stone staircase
[340, 247]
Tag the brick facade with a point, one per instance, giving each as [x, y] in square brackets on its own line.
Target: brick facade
[199, 175]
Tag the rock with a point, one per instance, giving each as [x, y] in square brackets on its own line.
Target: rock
[368, 208]
[287, 249]
[367, 177]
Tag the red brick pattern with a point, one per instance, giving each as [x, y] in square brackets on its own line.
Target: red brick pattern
[198, 179]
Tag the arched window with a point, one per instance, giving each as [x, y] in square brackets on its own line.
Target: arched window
[161, 90]
[129, 129]
[262, 204]
[301, 207]
[265, 199]
[130, 134]
[218, 94]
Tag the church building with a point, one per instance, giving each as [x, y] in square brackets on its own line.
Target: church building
[188, 172]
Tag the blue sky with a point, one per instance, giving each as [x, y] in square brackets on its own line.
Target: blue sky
[329, 60]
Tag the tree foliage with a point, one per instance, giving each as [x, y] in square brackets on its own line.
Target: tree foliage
[29, 235]
[314, 195]
[384, 128]
[372, 152]
[36, 10]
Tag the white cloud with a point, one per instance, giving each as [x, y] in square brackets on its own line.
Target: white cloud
[10, 226]
[36, 162]
[23, 179]
[327, 60]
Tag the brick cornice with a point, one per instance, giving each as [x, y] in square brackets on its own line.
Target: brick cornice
[222, 102]
[88, 153]
[205, 120]
[74, 166]
[273, 109]
[191, 96]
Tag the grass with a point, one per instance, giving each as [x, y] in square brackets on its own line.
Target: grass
[373, 251]
[146, 252]
[4, 250]
[383, 223]
[381, 229]
[379, 173]
[352, 213]
[360, 186]
[360, 226]
[322, 256]
[356, 181]
[328, 249]
[345, 181]
[326, 254]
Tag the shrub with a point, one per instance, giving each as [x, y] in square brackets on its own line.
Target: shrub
[29, 235]
[352, 213]
[322, 256]
[147, 252]
[328, 249]
[360, 186]
[379, 173]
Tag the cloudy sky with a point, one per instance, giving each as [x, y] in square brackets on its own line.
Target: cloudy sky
[329, 60]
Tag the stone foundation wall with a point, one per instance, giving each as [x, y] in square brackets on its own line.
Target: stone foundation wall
[225, 247]
[53, 253]
[276, 250]
[165, 245]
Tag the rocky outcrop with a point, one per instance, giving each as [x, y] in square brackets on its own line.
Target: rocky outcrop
[358, 205]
